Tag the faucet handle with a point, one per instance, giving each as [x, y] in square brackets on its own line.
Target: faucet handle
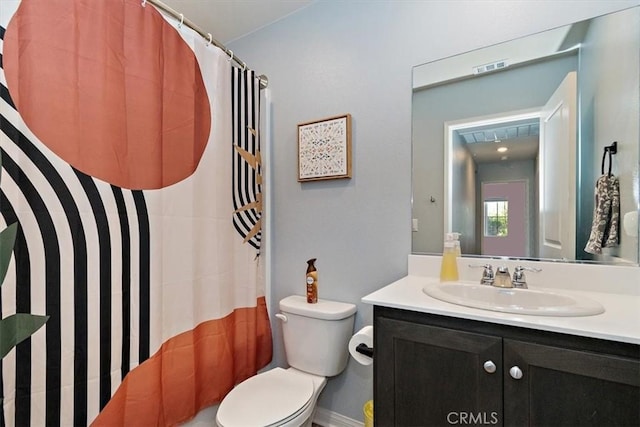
[521, 268]
[487, 274]
[519, 279]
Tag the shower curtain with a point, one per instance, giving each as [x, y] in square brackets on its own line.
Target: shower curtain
[131, 163]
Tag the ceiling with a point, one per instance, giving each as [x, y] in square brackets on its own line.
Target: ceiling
[228, 20]
[501, 132]
[520, 138]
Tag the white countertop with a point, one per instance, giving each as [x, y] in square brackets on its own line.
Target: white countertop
[619, 322]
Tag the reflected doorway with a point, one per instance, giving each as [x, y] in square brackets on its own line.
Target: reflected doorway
[498, 149]
[505, 228]
[536, 146]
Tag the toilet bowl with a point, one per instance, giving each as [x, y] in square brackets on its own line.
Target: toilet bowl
[316, 338]
[278, 397]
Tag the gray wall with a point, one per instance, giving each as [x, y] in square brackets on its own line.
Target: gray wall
[609, 86]
[463, 196]
[356, 57]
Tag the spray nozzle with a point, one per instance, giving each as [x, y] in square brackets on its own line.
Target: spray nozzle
[452, 240]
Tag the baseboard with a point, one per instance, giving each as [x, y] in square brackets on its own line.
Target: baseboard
[327, 418]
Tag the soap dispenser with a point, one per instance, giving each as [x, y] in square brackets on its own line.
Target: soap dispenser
[451, 250]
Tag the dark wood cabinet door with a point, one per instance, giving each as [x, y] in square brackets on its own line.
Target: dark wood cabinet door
[561, 387]
[433, 376]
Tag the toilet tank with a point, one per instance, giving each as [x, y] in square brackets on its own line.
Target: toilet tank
[316, 336]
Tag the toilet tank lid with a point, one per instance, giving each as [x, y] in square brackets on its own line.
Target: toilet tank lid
[323, 309]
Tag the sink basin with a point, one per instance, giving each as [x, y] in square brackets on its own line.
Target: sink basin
[510, 300]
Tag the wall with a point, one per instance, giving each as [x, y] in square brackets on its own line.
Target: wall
[607, 88]
[463, 195]
[356, 57]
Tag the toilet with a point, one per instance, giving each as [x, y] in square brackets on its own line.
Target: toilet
[316, 338]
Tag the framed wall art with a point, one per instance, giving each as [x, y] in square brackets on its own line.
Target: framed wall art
[324, 149]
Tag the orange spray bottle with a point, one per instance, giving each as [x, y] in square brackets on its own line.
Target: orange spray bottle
[312, 282]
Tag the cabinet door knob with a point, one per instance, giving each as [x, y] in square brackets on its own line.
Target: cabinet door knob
[489, 366]
[515, 372]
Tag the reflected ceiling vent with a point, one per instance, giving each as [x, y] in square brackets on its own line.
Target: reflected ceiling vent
[500, 132]
[492, 66]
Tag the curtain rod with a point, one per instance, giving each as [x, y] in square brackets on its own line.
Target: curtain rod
[264, 81]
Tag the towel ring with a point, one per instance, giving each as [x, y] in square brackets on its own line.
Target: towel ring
[609, 149]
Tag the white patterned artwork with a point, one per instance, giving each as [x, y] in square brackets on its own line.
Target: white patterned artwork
[324, 149]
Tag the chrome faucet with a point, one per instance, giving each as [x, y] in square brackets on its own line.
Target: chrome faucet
[501, 278]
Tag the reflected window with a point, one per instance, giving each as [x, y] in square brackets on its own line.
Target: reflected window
[496, 216]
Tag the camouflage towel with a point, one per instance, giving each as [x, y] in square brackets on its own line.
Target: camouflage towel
[606, 215]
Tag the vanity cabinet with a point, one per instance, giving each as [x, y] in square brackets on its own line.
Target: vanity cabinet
[435, 370]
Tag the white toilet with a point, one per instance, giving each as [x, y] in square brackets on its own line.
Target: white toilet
[316, 338]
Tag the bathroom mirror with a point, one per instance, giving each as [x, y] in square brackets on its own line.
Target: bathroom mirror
[509, 141]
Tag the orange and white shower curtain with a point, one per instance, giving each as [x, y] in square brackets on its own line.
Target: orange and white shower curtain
[131, 161]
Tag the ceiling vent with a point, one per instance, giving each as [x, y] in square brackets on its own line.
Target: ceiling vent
[492, 66]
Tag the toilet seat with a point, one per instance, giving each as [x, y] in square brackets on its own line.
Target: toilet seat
[268, 399]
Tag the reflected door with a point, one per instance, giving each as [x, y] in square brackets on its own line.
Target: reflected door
[505, 213]
[558, 172]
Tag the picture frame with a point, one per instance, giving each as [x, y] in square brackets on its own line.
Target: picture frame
[324, 149]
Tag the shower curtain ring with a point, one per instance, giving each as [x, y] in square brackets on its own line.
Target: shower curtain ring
[181, 20]
[230, 55]
[210, 39]
[144, 3]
